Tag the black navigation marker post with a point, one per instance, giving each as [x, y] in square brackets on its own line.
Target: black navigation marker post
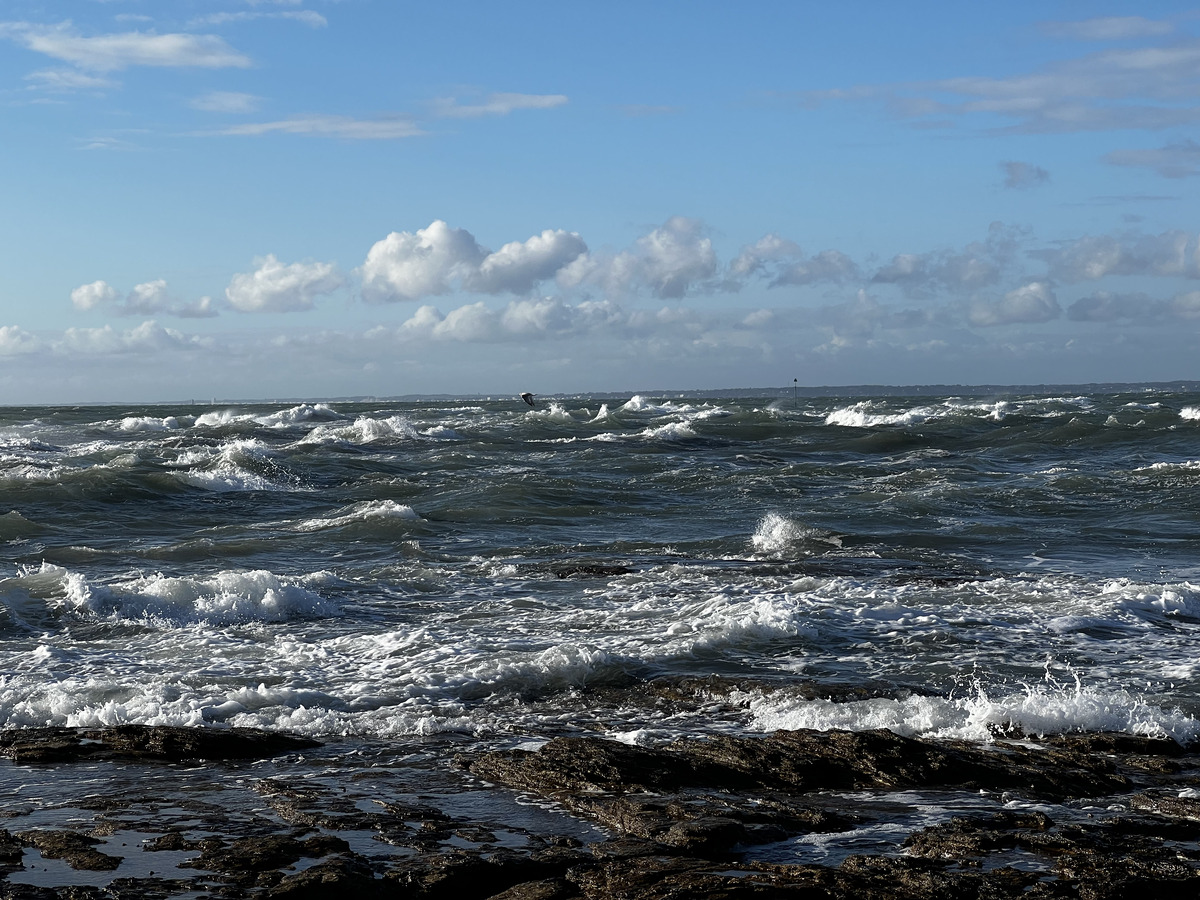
[795, 384]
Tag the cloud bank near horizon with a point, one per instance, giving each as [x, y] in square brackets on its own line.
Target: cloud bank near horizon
[1005, 278]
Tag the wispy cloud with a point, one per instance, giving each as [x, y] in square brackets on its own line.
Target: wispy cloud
[1153, 86]
[67, 81]
[226, 102]
[392, 127]
[111, 52]
[499, 104]
[304, 16]
[1107, 28]
[1177, 160]
[346, 127]
[1022, 176]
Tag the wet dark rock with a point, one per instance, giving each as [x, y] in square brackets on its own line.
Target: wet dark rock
[347, 873]
[75, 849]
[1166, 805]
[460, 875]
[798, 762]
[590, 570]
[11, 850]
[163, 742]
[691, 819]
[705, 825]
[965, 836]
[172, 841]
[259, 854]
[548, 889]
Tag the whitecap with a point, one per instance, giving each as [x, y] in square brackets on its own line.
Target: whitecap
[149, 423]
[860, 415]
[217, 418]
[672, 431]
[776, 535]
[1039, 709]
[364, 430]
[305, 412]
[362, 512]
[227, 597]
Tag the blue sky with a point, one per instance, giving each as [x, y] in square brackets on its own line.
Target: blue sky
[248, 198]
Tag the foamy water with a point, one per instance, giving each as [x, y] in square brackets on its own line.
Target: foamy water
[956, 567]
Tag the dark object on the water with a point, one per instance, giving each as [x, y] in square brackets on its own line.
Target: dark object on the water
[165, 742]
[587, 570]
[527, 397]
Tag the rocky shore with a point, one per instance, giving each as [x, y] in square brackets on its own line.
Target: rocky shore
[1090, 816]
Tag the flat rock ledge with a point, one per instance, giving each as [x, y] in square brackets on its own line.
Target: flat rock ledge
[146, 742]
[689, 818]
[1084, 817]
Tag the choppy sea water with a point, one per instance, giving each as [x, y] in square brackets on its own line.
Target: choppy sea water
[941, 566]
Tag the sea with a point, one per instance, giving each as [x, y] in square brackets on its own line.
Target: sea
[472, 574]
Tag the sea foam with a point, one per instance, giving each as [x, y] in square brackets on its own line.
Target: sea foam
[1037, 709]
[228, 597]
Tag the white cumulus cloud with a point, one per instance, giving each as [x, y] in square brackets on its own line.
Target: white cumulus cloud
[517, 267]
[409, 266]
[145, 338]
[275, 287]
[90, 296]
[15, 341]
[1030, 303]
[1092, 257]
[669, 262]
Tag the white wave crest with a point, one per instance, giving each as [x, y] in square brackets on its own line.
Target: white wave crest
[224, 598]
[305, 412]
[636, 403]
[233, 466]
[149, 423]
[860, 416]
[364, 430]
[362, 512]
[555, 412]
[672, 431]
[220, 417]
[730, 621]
[1190, 413]
[1034, 709]
[776, 535]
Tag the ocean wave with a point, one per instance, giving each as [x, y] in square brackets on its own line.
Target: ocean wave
[371, 510]
[555, 412]
[230, 597]
[220, 418]
[671, 431]
[1190, 413]
[241, 465]
[149, 423]
[296, 415]
[639, 404]
[364, 430]
[1034, 709]
[860, 415]
[778, 536]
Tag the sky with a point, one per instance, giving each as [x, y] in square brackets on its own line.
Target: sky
[248, 199]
